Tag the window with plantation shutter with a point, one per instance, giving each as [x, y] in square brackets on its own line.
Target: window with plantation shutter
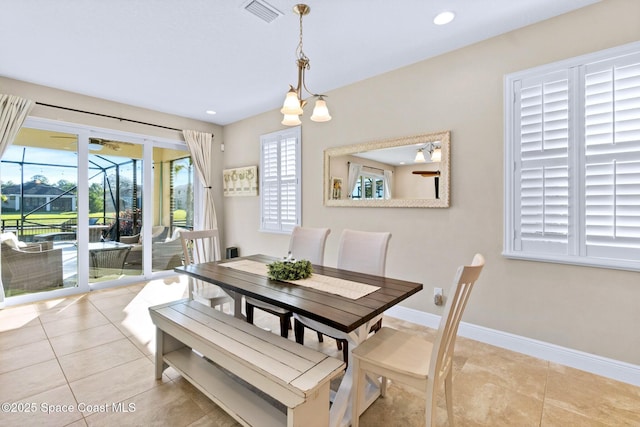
[280, 180]
[542, 163]
[572, 161]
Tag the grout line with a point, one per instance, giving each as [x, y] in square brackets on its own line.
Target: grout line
[544, 394]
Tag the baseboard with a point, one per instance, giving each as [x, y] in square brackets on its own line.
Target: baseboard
[610, 368]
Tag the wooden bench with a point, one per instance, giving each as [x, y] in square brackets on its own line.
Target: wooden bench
[257, 377]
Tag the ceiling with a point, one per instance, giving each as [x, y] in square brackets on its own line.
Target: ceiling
[186, 57]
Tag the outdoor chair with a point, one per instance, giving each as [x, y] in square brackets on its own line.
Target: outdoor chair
[29, 267]
[107, 261]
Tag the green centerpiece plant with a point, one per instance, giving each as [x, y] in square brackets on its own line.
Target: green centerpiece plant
[290, 269]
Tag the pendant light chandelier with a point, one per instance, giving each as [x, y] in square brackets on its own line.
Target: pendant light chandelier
[293, 103]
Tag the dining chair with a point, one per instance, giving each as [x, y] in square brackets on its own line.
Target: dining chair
[361, 252]
[198, 247]
[305, 243]
[412, 360]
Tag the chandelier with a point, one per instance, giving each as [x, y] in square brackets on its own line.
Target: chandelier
[293, 103]
[434, 150]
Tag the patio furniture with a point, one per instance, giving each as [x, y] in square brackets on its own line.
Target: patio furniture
[134, 260]
[168, 254]
[107, 258]
[96, 231]
[56, 236]
[29, 267]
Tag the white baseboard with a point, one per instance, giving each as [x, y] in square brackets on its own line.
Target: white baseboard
[610, 368]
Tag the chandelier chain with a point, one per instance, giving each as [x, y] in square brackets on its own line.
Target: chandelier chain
[299, 51]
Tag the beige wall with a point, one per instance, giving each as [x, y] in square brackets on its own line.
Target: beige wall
[589, 309]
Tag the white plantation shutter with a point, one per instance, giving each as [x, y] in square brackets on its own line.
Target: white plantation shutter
[542, 163]
[572, 161]
[280, 180]
[612, 158]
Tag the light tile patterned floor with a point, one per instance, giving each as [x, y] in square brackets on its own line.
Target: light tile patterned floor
[93, 352]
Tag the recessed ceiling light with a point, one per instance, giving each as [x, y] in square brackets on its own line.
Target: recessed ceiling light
[444, 18]
[210, 112]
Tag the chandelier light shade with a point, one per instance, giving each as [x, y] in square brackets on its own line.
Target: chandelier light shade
[293, 105]
[320, 111]
[420, 157]
[436, 155]
[291, 120]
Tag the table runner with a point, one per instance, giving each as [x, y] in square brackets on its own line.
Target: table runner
[332, 285]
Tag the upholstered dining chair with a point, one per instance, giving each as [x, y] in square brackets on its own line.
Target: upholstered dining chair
[410, 359]
[359, 251]
[305, 243]
[203, 246]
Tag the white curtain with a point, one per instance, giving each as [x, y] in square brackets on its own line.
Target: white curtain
[13, 112]
[388, 182]
[355, 169]
[199, 144]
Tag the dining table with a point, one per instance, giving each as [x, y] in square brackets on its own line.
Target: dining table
[346, 300]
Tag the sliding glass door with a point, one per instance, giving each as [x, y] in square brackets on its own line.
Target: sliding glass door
[173, 205]
[39, 183]
[115, 209]
[85, 208]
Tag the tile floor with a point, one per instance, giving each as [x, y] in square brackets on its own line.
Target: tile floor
[87, 360]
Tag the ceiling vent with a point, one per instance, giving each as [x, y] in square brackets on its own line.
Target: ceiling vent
[262, 10]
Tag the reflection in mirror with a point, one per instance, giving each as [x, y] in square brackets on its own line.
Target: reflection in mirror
[401, 172]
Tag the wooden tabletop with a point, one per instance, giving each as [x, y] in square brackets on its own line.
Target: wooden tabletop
[333, 310]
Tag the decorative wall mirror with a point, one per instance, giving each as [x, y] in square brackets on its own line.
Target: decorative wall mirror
[401, 172]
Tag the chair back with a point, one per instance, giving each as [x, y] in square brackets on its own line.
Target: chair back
[308, 243]
[108, 261]
[443, 346]
[198, 247]
[363, 251]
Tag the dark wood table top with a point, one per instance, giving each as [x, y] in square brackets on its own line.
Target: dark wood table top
[333, 310]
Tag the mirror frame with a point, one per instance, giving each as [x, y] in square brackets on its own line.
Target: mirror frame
[443, 202]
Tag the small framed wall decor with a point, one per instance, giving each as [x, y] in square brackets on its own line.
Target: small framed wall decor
[240, 181]
[336, 188]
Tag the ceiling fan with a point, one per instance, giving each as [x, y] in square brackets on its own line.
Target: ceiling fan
[97, 144]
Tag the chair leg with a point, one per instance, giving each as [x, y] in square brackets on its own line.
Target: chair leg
[249, 312]
[430, 406]
[345, 352]
[383, 386]
[448, 392]
[298, 330]
[357, 392]
[285, 323]
[376, 327]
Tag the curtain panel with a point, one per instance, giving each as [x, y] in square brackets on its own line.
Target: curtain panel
[13, 112]
[199, 144]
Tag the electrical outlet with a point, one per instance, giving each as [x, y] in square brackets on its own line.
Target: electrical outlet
[437, 296]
